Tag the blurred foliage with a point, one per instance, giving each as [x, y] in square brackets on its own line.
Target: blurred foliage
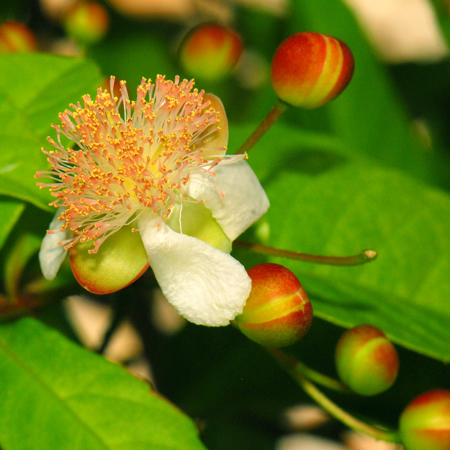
[369, 170]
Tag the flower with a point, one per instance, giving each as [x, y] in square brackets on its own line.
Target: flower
[152, 186]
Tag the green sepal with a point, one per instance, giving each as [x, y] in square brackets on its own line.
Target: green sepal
[197, 221]
[120, 260]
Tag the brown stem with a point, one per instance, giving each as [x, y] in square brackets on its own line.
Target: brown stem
[361, 258]
[263, 127]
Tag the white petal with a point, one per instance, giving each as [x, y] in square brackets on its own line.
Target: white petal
[51, 254]
[244, 200]
[205, 285]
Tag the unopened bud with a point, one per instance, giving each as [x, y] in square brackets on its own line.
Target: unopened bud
[366, 361]
[425, 422]
[16, 37]
[278, 312]
[86, 22]
[210, 51]
[311, 69]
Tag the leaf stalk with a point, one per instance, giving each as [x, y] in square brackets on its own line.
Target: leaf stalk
[361, 258]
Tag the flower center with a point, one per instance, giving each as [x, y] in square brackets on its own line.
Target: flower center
[125, 163]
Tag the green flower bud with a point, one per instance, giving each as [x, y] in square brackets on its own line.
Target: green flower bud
[311, 69]
[425, 422]
[86, 22]
[278, 312]
[210, 51]
[366, 361]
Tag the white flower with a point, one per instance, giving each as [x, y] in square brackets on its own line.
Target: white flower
[161, 167]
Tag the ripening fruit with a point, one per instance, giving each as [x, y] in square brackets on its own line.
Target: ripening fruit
[210, 51]
[366, 361]
[86, 22]
[311, 69]
[425, 422]
[277, 312]
[16, 37]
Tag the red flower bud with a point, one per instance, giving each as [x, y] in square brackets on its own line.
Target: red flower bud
[16, 37]
[210, 51]
[425, 422]
[86, 22]
[311, 69]
[366, 361]
[278, 312]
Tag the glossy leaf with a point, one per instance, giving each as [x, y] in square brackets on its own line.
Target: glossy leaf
[10, 211]
[29, 103]
[327, 200]
[55, 394]
[24, 248]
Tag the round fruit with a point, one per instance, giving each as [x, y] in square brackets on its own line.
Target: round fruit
[311, 69]
[278, 311]
[425, 422]
[210, 51]
[366, 361]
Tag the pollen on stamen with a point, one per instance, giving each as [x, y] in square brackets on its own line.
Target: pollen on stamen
[129, 160]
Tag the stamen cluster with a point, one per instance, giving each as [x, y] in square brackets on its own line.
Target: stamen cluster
[125, 163]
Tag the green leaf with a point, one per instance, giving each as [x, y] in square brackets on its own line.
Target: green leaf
[24, 248]
[29, 103]
[325, 199]
[10, 211]
[56, 395]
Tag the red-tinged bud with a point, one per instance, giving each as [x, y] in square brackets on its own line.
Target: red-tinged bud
[366, 361]
[278, 312]
[425, 422]
[311, 69]
[210, 51]
[86, 22]
[16, 37]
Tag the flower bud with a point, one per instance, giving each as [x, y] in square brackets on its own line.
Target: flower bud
[86, 22]
[366, 361]
[16, 37]
[210, 51]
[277, 312]
[425, 422]
[311, 69]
